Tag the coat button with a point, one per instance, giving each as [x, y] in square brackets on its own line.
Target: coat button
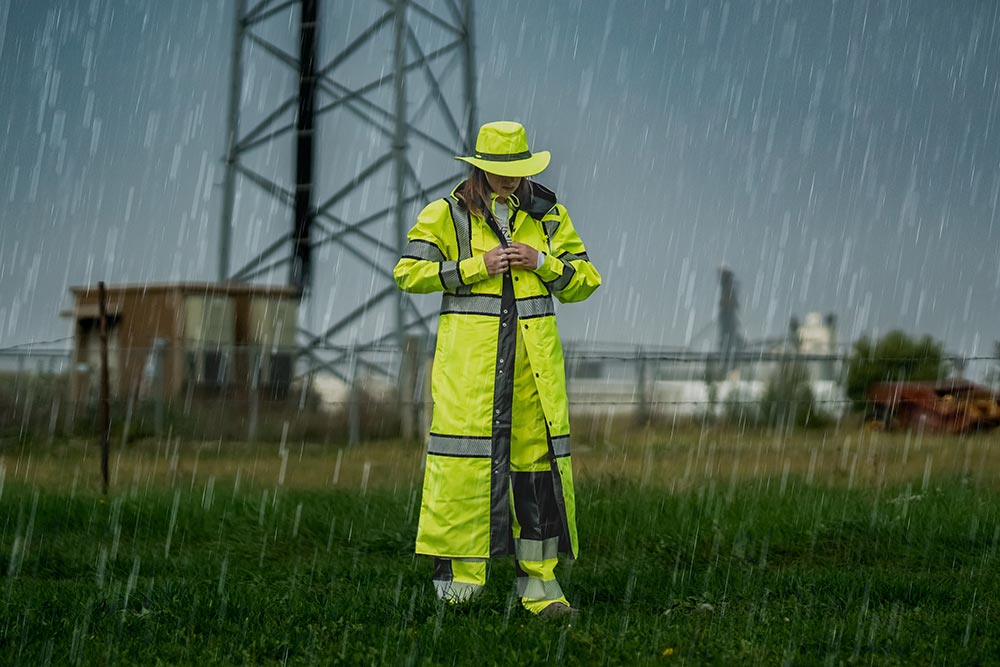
[525, 326]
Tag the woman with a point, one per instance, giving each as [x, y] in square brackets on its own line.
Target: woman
[498, 478]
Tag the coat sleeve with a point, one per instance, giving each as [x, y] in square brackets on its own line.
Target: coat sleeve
[429, 262]
[567, 270]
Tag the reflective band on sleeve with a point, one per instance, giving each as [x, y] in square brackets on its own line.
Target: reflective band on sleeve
[463, 230]
[467, 447]
[550, 227]
[569, 257]
[536, 306]
[418, 249]
[451, 279]
[560, 446]
[536, 550]
[463, 235]
[474, 304]
[536, 589]
[560, 283]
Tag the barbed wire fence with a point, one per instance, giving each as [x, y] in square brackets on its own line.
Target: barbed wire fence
[349, 394]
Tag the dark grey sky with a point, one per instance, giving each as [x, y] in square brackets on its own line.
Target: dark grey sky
[839, 156]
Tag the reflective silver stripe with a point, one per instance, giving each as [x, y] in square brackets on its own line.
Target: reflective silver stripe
[560, 445]
[463, 235]
[537, 550]
[456, 591]
[490, 304]
[450, 277]
[569, 257]
[418, 249]
[536, 589]
[463, 231]
[445, 445]
[476, 304]
[536, 306]
[550, 228]
[560, 283]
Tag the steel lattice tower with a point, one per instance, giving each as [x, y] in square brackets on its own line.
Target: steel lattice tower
[359, 127]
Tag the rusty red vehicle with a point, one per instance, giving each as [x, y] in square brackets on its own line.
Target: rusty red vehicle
[949, 406]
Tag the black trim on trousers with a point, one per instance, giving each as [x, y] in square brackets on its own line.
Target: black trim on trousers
[443, 570]
[535, 505]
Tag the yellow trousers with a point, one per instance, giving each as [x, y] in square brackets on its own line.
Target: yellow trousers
[536, 521]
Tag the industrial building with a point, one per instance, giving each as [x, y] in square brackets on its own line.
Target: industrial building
[205, 338]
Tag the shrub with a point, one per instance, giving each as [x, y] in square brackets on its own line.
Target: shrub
[788, 399]
[895, 357]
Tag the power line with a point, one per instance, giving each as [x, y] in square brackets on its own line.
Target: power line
[572, 353]
[35, 343]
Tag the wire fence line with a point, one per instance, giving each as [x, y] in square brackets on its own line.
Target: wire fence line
[36, 344]
[249, 392]
[34, 349]
[583, 360]
[656, 353]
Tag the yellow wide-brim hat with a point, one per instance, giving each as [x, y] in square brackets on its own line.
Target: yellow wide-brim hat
[502, 149]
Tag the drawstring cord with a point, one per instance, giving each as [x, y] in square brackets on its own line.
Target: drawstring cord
[512, 202]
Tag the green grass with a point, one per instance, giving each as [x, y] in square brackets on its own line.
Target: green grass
[756, 572]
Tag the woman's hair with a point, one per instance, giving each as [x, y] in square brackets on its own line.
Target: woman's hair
[475, 192]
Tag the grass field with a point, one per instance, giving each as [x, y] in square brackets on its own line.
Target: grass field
[698, 547]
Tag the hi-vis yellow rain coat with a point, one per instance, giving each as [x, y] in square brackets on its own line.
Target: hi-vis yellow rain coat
[466, 505]
[466, 508]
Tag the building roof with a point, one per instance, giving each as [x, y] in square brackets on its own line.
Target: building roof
[228, 288]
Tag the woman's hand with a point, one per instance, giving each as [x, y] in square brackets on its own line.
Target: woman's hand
[496, 261]
[522, 256]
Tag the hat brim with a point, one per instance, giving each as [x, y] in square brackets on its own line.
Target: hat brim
[526, 167]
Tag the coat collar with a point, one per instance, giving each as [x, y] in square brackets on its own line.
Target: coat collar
[538, 201]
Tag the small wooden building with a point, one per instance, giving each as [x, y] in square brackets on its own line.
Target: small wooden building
[208, 338]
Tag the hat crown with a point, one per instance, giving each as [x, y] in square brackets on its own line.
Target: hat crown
[502, 149]
[502, 138]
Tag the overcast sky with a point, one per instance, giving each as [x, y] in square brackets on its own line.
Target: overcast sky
[840, 156]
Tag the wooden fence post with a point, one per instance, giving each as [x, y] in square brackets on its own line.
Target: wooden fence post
[354, 434]
[255, 377]
[641, 390]
[102, 309]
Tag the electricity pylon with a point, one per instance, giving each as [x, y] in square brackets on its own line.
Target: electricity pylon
[394, 100]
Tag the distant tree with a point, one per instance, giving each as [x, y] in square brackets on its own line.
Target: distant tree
[993, 372]
[788, 399]
[740, 409]
[895, 357]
